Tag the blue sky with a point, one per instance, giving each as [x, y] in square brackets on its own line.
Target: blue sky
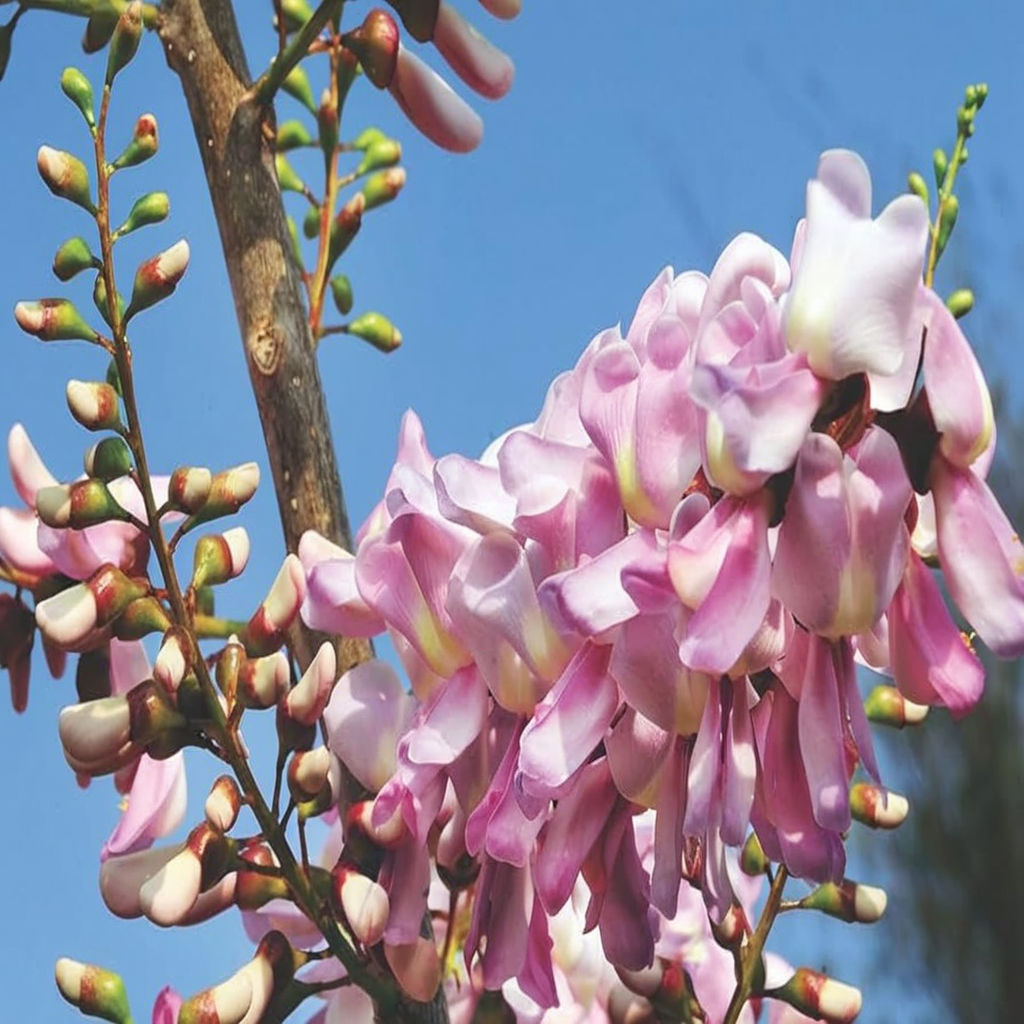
[636, 135]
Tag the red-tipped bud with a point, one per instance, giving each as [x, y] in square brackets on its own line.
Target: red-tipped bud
[308, 773]
[262, 682]
[878, 808]
[75, 506]
[383, 186]
[230, 490]
[364, 902]
[416, 967]
[72, 258]
[144, 143]
[223, 804]
[95, 405]
[125, 41]
[95, 991]
[155, 723]
[820, 996]
[158, 277]
[265, 630]
[375, 44]
[108, 459]
[254, 889]
[189, 488]
[172, 660]
[306, 702]
[887, 706]
[392, 833]
[848, 901]
[143, 617]
[229, 667]
[327, 123]
[71, 615]
[53, 320]
[220, 557]
[346, 226]
[418, 16]
[96, 736]
[122, 877]
[65, 176]
[378, 330]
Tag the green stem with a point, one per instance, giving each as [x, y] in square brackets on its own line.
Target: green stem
[270, 81]
[944, 193]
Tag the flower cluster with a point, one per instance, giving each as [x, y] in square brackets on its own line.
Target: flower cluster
[656, 594]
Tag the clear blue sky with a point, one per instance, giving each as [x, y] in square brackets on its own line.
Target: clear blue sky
[636, 135]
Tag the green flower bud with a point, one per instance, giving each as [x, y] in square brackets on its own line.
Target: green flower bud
[916, 184]
[125, 41]
[78, 89]
[113, 377]
[378, 330]
[418, 16]
[99, 299]
[143, 617]
[144, 144]
[65, 176]
[96, 992]
[75, 506]
[375, 43]
[158, 277]
[940, 164]
[885, 705]
[98, 29]
[53, 320]
[295, 13]
[73, 257]
[382, 153]
[108, 459]
[296, 84]
[311, 222]
[947, 219]
[383, 186]
[876, 807]
[819, 996]
[220, 557]
[960, 302]
[230, 489]
[368, 137]
[189, 488]
[848, 901]
[292, 135]
[753, 860]
[341, 290]
[94, 405]
[327, 122]
[287, 179]
[980, 95]
[293, 234]
[148, 209]
[346, 226]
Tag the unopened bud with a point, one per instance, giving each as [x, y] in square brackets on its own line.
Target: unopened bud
[341, 292]
[78, 89]
[292, 135]
[77, 505]
[72, 258]
[878, 808]
[960, 302]
[125, 41]
[151, 208]
[364, 902]
[820, 996]
[53, 320]
[346, 226]
[296, 84]
[947, 219]
[368, 137]
[311, 222]
[96, 735]
[65, 176]
[223, 804]
[418, 16]
[885, 705]
[918, 186]
[753, 860]
[172, 660]
[848, 901]
[108, 459]
[100, 301]
[95, 991]
[220, 557]
[380, 154]
[940, 164]
[230, 490]
[158, 277]
[98, 29]
[229, 667]
[391, 833]
[327, 123]
[378, 330]
[262, 682]
[144, 143]
[375, 44]
[295, 13]
[69, 616]
[94, 405]
[287, 179]
[308, 773]
[306, 702]
[265, 631]
[154, 719]
[383, 186]
[189, 488]
[255, 889]
[141, 618]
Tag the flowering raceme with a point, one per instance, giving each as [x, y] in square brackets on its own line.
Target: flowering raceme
[655, 595]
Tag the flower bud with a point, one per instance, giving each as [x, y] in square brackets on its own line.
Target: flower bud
[223, 804]
[151, 208]
[189, 488]
[157, 277]
[295, 13]
[878, 808]
[960, 302]
[141, 618]
[311, 222]
[172, 660]
[73, 257]
[848, 901]
[375, 43]
[100, 301]
[108, 459]
[292, 135]
[220, 557]
[96, 736]
[65, 176]
[382, 153]
[885, 705]
[122, 877]
[917, 186]
[820, 996]
[418, 16]
[125, 41]
[296, 84]
[77, 505]
[378, 330]
[144, 143]
[947, 219]
[155, 723]
[341, 291]
[229, 491]
[69, 616]
[383, 186]
[253, 889]
[287, 179]
[940, 164]
[305, 703]
[308, 773]
[346, 226]
[262, 682]
[368, 137]
[364, 902]
[53, 320]
[753, 861]
[93, 404]
[98, 29]
[264, 632]
[229, 667]
[95, 991]
[327, 123]
[390, 834]
[78, 89]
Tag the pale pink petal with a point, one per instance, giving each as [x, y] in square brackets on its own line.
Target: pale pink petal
[27, 469]
[156, 806]
[19, 546]
[471, 494]
[480, 64]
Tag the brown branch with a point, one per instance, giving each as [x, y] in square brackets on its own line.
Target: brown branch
[232, 128]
